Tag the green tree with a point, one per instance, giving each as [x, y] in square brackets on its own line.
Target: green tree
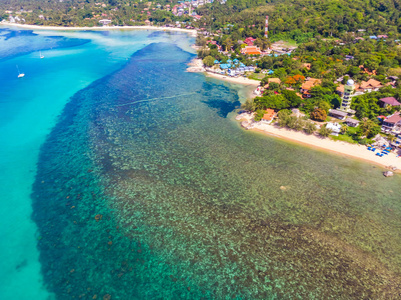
[259, 114]
[208, 61]
[324, 131]
[318, 115]
[283, 117]
[292, 98]
[368, 128]
[310, 127]
[344, 128]
[249, 105]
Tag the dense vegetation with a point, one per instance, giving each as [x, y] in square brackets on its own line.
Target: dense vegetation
[289, 19]
[88, 12]
[301, 19]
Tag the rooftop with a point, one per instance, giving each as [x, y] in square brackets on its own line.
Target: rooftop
[371, 83]
[269, 114]
[338, 112]
[311, 82]
[390, 100]
[393, 119]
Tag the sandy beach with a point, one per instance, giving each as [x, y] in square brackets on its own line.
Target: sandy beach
[238, 80]
[39, 27]
[196, 65]
[315, 141]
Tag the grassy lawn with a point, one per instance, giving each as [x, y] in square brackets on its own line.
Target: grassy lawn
[344, 138]
[256, 76]
[290, 43]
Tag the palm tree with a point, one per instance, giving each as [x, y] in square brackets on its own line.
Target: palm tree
[344, 128]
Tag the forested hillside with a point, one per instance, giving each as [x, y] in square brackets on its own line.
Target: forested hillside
[294, 18]
[88, 12]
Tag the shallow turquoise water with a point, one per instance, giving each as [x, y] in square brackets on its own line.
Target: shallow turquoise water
[147, 189]
[28, 110]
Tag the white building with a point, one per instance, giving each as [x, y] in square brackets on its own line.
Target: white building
[105, 22]
[334, 127]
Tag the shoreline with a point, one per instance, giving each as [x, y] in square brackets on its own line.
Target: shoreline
[355, 151]
[193, 32]
[237, 80]
[196, 66]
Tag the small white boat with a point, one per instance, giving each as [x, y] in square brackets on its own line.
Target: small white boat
[20, 75]
[40, 53]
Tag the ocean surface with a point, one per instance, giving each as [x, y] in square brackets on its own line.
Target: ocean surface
[125, 177]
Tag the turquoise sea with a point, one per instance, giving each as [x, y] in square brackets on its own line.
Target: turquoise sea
[125, 177]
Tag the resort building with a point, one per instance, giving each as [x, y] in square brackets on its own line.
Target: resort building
[352, 122]
[347, 95]
[391, 122]
[338, 114]
[251, 50]
[307, 85]
[268, 116]
[388, 101]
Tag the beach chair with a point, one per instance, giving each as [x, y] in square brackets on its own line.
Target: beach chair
[369, 148]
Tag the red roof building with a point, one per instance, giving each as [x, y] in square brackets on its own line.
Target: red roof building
[388, 101]
[249, 41]
[269, 115]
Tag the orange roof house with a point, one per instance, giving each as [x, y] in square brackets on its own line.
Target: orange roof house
[269, 115]
[251, 50]
[340, 89]
[269, 80]
[370, 85]
[308, 84]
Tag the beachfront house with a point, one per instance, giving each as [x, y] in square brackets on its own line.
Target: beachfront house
[338, 114]
[388, 101]
[105, 22]
[268, 116]
[334, 127]
[308, 85]
[352, 122]
[391, 122]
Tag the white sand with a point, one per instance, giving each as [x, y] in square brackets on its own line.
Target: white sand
[238, 80]
[315, 141]
[196, 65]
[193, 32]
